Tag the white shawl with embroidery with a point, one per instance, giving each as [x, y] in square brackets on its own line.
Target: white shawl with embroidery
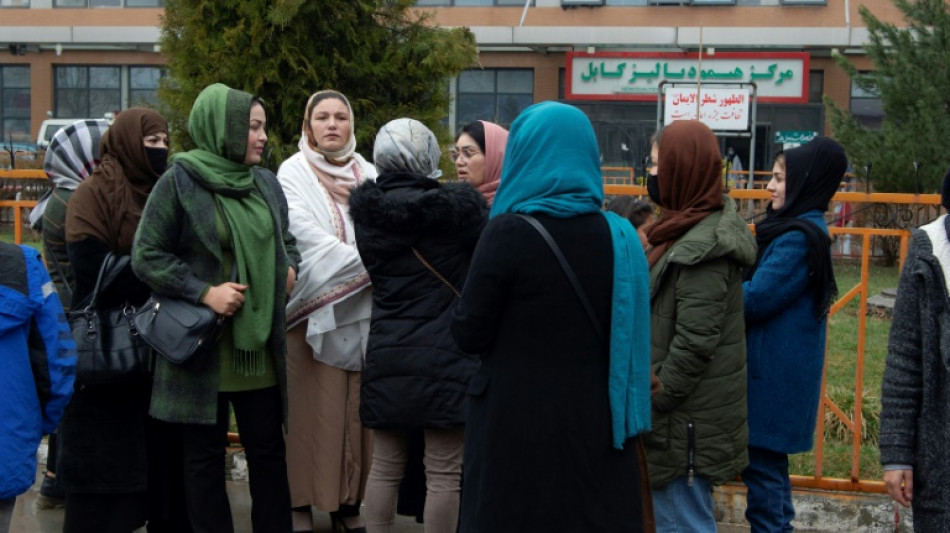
[332, 292]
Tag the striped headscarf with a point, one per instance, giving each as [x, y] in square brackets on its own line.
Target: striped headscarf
[71, 157]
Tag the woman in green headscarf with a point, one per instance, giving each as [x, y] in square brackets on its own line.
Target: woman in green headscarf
[215, 216]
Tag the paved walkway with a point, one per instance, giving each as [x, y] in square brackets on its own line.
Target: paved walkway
[817, 511]
[28, 519]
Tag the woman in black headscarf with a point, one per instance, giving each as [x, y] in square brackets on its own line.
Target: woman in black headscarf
[116, 463]
[787, 296]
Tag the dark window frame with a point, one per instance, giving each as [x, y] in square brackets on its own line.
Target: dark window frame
[86, 111]
[4, 109]
[495, 94]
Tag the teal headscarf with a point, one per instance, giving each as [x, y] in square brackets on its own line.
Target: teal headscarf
[552, 166]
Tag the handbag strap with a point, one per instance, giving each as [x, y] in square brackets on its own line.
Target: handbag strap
[108, 270]
[62, 275]
[106, 265]
[581, 295]
[436, 272]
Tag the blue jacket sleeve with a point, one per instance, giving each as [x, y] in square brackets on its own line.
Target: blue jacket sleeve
[780, 279]
[53, 359]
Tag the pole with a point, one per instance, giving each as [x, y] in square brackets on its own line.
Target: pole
[699, 80]
[524, 13]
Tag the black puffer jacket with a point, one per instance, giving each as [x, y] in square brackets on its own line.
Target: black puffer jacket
[415, 376]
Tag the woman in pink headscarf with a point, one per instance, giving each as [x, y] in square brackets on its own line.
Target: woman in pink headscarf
[478, 153]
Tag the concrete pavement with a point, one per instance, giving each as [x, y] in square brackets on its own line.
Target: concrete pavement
[28, 519]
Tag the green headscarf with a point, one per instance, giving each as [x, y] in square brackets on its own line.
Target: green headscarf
[219, 123]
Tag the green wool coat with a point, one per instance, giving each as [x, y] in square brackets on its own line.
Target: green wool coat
[699, 353]
[176, 252]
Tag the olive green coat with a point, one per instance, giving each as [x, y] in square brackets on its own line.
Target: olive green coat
[699, 352]
[177, 252]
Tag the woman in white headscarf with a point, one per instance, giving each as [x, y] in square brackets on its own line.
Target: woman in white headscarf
[328, 451]
[416, 237]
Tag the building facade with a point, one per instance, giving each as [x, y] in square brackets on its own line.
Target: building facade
[611, 58]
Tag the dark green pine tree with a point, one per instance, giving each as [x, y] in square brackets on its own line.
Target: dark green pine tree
[388, 59]
[912, 77]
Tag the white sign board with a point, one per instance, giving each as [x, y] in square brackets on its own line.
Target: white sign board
[779, 77]
[720, 109]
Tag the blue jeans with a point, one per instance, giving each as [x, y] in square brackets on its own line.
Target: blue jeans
[681, 508]
[769, 498]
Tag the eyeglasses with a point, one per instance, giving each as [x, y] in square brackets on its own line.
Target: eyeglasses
[468, 152]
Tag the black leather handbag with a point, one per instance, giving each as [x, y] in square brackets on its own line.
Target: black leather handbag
[180, 331]
[108, 346]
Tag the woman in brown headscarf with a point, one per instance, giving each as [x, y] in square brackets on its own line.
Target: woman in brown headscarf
[699, 246]
[110, 477]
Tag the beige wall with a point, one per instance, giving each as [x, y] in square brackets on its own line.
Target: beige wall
[830, 15]
[545, 65]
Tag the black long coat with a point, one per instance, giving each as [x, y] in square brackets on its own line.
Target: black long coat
[102, 435]
[415, 376]
[538, 447]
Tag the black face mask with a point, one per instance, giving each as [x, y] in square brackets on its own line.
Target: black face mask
[653, 188]
[157, 159]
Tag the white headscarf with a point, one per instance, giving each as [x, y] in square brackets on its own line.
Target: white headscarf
[346, 152]
[407, 145]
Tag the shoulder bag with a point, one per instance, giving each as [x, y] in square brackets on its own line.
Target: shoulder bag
[108, 346]
[180, 331]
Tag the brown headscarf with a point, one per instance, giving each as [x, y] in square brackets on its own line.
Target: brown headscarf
[690, 183]
[108, 205]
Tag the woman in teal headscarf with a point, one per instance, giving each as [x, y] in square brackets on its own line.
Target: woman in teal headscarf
[563, 392]
[212, 215]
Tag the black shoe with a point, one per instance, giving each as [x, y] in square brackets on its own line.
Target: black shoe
[338, 526]
[52, 496]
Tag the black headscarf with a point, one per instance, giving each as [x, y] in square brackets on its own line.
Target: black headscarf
[813, 173]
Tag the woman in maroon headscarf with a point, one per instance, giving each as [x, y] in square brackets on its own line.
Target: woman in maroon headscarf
[699, 246]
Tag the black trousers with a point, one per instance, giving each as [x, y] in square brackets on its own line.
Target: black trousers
[259, 419]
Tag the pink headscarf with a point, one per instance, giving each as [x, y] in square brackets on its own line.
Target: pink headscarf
[496, 138]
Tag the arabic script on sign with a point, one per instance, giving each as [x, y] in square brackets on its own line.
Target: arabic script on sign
[720, 109]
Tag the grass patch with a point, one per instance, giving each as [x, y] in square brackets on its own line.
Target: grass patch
[841, 366]
[30, 237]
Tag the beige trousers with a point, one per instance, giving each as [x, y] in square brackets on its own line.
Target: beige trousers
[443, 467]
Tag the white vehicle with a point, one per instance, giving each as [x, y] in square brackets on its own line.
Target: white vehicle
[50, 126]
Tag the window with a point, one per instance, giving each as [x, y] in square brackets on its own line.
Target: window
[497, 95]
[816, 86]
[469, 3]
[15, 103]
[107, 3]
[14, 3]
[86, 92]
[91, 91]
[866, 106]
[143, 86]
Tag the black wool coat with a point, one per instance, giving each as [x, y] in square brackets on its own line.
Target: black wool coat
[104, 433]
[539, 454]
[415, 376]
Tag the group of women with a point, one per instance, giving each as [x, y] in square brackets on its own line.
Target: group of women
[371, 304]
